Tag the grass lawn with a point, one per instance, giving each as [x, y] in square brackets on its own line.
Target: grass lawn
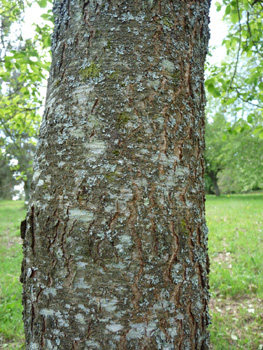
[236, 252]
[11, 327]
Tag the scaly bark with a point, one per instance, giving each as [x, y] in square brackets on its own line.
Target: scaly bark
[115, 249]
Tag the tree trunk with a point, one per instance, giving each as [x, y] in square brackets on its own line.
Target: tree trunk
[115, 249]
[213, 176]
[27, 190]
[216, 187]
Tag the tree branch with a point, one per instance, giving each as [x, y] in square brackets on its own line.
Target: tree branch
[239, 46]
[256, 1]
[246, 101]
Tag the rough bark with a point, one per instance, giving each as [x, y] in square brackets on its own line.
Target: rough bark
[115, 248]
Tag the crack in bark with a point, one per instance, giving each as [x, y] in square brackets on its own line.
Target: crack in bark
[137, 240]
[180, 330]
[63, 56]
[32, 316]
[32, 229]
[163, 145]
[175, 248]
[44, 327]
[95, 105]
[52, 243]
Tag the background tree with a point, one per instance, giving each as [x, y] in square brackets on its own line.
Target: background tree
[7, 181]
[239, 77]
[233, 152]
[235, 91]
[22, 63]
[115, 249]
[244, 170]
[217, 148]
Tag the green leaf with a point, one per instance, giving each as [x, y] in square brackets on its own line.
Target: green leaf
[47, 17]
[218, 6]
[8, 65]
[224, 137]
[228, 10]
[229, 101]
[42, 3]
[258, 129]
[234, 17]
[211, 88]
[250, 118]
[209, 81]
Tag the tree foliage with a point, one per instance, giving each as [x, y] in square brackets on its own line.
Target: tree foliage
[234, 130]
[216, 153]
[234, 155]
[238, 81]
[23, 63]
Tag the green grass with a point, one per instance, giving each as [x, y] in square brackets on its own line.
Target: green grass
[236, 251]
[11, 328]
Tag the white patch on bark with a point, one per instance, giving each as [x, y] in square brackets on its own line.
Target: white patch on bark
[29, 271]
[138, 330]
[168, 65]
[125, 240]
[109, 305]
[119, 266]
[82, 93]
[155, 84]
[114, 327]
[172, 331]
[146, 202]
[80, 318]
[92, 343]
[48, 178]
[109, 208]
[180, 316]
[77, 133]
[46, 312]
[62, 323]
[158, 306]
[96, 147]
[181, 171]
[160, 120]
[81, 215]
[36, 175]
[82, 264]
[60, 164]
[51, 291]
[85, 309]
[50, 345]
[81, 284]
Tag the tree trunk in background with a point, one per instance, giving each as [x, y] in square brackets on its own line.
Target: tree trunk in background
[27, 190]
[213, 176]
[216, 187]
[115, 249]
